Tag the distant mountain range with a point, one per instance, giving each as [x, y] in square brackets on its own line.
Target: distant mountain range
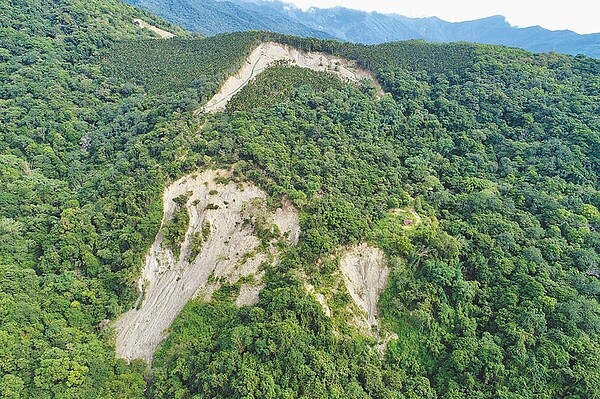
[212, 17]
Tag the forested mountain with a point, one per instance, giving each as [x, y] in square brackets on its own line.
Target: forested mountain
[493, 294]
[211, 17]
[372, 28]
[71, 226]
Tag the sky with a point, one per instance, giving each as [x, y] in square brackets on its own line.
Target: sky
[580, 16]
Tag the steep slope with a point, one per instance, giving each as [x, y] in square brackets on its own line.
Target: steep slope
[219, 243]
[66, 238]
[365, 276]
[363, 272]
[180, 64]
[201, 66]
[493, 294]
[489, 265]
[269, 53]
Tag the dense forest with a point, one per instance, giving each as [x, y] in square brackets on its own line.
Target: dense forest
[494, 295]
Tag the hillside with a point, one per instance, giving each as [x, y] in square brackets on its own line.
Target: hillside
[270, 54]
[473, 294]
[75, 217]
[211, 17]
[447, 235]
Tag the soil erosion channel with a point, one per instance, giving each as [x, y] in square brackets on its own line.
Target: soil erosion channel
[220, 244]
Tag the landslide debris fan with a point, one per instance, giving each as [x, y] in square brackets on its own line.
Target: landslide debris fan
[213, 231]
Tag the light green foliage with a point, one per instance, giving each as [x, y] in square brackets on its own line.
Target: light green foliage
[393, 236]
[491, 295]
[174, 229]
[494, 278]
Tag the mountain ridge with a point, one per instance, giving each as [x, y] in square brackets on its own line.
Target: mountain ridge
[212, 17]
[468, 196]
[345, 24]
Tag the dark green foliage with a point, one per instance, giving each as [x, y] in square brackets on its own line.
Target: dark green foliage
[179, 64]
[196, 246]
[200, 65]
[493, 295]
[279, 83]
[75, 217]
[205, 230]
[175, 228]
[284, 347]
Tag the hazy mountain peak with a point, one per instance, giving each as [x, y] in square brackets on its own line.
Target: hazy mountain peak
[210, 17]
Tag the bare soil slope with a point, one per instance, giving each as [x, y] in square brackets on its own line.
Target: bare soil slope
[268, 53]
[225, 215]
[365, 274]
[160, 32]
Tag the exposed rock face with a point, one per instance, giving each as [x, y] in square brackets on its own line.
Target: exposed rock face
[225, 216]
[365, 275]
